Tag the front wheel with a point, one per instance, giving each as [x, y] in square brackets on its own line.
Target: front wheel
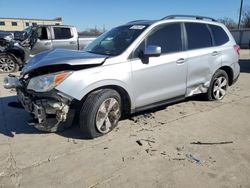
[100, 113]
[218, 86]
[8, 64]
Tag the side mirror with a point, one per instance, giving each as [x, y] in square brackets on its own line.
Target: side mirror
[152, 51]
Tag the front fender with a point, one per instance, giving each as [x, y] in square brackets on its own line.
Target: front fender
[82, 82]
[100, 84]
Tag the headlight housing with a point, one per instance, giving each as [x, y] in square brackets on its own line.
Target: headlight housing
[47, 82]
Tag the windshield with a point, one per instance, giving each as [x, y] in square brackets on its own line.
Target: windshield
[28, 30]
[115, 41]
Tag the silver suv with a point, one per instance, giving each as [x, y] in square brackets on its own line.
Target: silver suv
[133, 67]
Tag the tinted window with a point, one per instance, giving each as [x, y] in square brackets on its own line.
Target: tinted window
[14, 23]
[27, 24]
[198, 36]
[2, 23]
[220, 36]
[34, 24]
[62, 33]
[168, 37]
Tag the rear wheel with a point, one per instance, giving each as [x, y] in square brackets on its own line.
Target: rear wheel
[100, 113]
[8, 64]
[218, 86]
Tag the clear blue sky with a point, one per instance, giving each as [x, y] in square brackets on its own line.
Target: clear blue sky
[90, 13]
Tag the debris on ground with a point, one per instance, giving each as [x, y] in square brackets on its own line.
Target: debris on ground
[71, 140]
[142, 118]
[147, 140]
[139, 142]
[178, 159]
[211, 143]
[191, 158]
[144, 129]
[179, 148]
[163, 153]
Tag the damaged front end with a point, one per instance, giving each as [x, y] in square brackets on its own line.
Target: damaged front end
[51, 110]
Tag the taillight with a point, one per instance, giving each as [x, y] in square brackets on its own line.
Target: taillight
[237, 49]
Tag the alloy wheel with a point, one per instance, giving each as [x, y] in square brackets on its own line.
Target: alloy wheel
[220, 87]
[7, 64]
[108, 115]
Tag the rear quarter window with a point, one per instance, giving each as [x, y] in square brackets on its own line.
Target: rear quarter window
[198, 36]
[219, 35]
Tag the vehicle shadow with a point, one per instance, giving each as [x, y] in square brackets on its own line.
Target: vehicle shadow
[13, 121]
[244, 65]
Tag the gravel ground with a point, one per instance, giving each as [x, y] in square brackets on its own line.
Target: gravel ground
[153, 149]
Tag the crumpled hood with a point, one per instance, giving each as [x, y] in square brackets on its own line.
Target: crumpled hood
[63, 57]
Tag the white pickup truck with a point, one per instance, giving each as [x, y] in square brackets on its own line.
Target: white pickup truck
[17, 51]
[58, 36]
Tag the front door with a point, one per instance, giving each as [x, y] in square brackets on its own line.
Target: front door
[43, 42]
[160, 78]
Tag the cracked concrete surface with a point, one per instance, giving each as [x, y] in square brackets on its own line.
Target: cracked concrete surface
[29, 158]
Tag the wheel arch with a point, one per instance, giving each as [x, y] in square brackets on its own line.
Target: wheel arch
[17, 54]
[230, 74]
[124, 94]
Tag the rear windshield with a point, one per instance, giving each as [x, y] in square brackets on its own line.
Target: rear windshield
[115, 41]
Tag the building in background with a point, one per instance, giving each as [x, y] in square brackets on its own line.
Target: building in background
[19, 24]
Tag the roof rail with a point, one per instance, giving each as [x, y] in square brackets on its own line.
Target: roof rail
[188, 16]
[135, 21]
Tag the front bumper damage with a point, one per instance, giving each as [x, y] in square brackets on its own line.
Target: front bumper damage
[51, 111]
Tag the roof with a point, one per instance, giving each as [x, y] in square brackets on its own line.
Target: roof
[51, 25]
[55, 19]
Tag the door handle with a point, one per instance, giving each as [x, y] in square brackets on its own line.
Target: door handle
[180, 61]
[47, 43]
[72, 42]
[215, 53]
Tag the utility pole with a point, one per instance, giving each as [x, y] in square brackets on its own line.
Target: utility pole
[241, 3]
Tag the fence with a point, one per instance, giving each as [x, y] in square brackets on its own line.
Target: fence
[242, 37]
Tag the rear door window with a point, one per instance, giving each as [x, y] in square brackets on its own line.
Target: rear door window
[198, 36]
[62, 33]
[219, 35]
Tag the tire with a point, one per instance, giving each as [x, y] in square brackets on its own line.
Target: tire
[8, 64]
[100, 113]
[218, 86]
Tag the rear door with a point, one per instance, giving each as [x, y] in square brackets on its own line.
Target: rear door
[43, 42]
[164, 77]
[64, 37]
[203, 57]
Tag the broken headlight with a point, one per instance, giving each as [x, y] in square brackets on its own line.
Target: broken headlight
[47, 82]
